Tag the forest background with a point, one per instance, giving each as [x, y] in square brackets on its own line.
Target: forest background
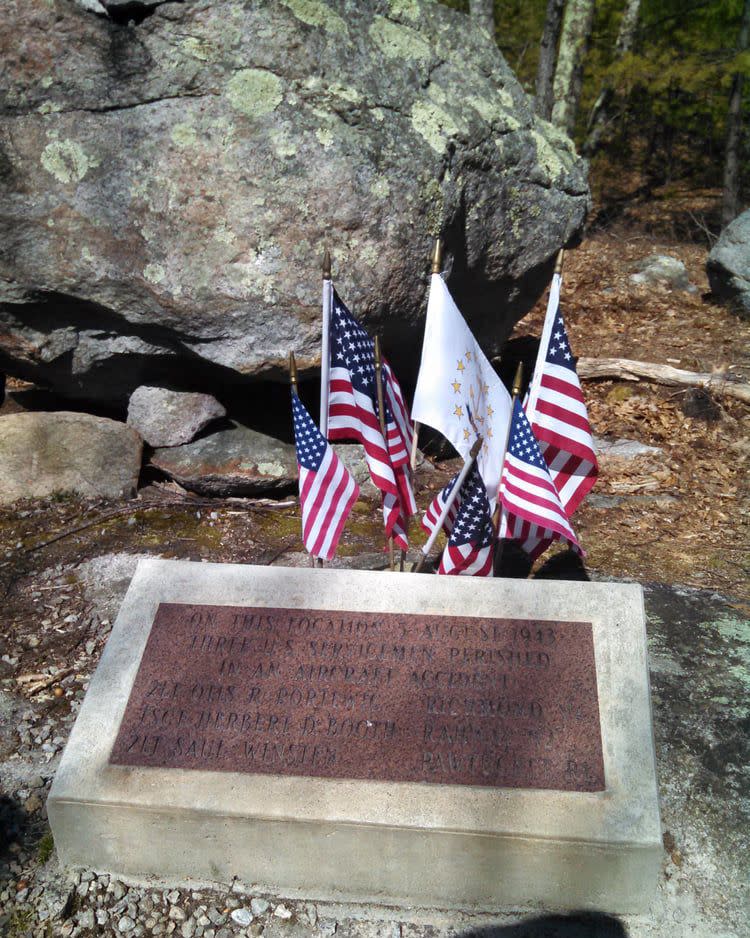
[656, 90]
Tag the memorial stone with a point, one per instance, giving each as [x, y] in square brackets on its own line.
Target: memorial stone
[369, 736]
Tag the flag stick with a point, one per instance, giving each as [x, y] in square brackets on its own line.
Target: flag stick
[381, 416]
[500, 510]
[549, 318]
[437, 267]
[314, 561]
[325, 351]
[448, 504]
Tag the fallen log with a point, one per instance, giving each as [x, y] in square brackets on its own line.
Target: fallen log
[627, 370]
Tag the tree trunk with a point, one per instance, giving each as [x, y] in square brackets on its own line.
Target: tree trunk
[483, 11]
[547, 56]
[574, 40]
[731, 196]
[600, 115]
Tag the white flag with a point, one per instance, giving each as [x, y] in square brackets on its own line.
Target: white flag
[458, 392]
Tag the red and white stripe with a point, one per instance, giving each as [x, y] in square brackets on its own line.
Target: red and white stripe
[560, 423]
[400, 429]
[351, 415]
[435, 509]
[528, 494]
[467, 560]
[326, 498]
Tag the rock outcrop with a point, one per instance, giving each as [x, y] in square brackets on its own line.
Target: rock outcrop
[728, 265]
[170, 418]
[45, 453]
[235, 460]
[169, 185]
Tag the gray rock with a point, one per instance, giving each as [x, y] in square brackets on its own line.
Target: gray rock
[169, 418]
[44, 453]
[624, 449]
[170, 185]
[126, 924]
[232, 461]
[242, 917]
[728, 265]
[663, 269]
[259, 906]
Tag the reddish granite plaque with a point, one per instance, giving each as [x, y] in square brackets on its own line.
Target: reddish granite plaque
[405, 698]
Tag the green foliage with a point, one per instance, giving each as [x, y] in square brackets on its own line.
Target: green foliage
[670, 93]
[45, 848]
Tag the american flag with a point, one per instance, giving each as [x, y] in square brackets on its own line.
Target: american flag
[353, 414]
[557, 413]
[471, 545]
[531, 502]
[435, 509]
[326, 489]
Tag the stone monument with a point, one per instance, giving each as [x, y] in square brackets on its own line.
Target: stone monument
[369, 736]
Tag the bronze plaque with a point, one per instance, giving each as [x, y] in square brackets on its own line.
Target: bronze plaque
[404, 698]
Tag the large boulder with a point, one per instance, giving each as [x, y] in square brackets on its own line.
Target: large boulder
[42, 454]
[728, 265]
[169, 185]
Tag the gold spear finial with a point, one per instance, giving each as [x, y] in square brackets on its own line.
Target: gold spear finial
[518, 380]
[559, 261]
[327, 265]
[292, 371]
[437, 256]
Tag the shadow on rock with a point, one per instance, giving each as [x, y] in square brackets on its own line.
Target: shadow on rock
[575, 925]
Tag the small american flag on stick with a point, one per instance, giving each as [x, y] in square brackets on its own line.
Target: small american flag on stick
[471, 544]
[353, 414]
[557, 412]
[527, 492]
[327, 491]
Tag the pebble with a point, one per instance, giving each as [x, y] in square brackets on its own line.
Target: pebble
[259, 906]
[327, 927]
[126, 924]
[176, 914]
[281, 911]
[242, 917]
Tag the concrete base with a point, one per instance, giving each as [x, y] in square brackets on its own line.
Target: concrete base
[411, 843]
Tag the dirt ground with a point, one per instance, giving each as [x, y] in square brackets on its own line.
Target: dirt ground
[676, 516]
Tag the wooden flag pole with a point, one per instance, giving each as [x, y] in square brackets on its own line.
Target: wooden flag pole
[416, 568]
[314, 561]
[325, 350]
[517, 384]
[381, 416]
[437, 267]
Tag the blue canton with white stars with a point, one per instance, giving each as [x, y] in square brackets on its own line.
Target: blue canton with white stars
[558, 351]
[308, 439]
[522, 443]
[352, 348]
[473, 524]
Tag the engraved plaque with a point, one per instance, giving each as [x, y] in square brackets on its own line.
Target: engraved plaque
[406, 698]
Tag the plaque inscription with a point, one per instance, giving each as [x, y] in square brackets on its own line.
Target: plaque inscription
[407, 698]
